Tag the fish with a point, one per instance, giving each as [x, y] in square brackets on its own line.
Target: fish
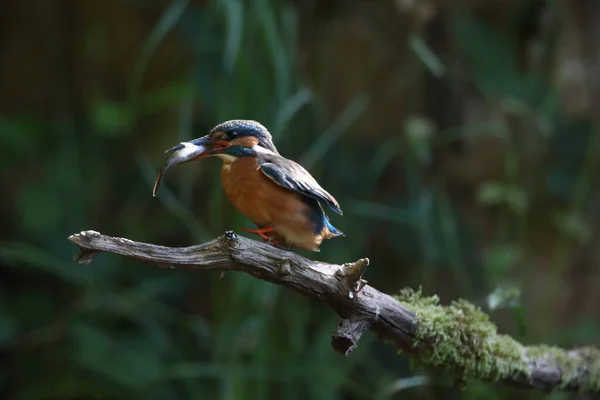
[183, 152]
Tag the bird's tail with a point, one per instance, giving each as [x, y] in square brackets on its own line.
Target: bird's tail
[334, 231]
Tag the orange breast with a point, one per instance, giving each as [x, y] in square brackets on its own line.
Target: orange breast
[268, 204]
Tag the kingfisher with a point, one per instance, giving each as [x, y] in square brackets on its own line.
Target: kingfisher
[277, 194]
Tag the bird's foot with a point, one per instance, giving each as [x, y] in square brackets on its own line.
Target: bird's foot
[261, 232]
[278, 244]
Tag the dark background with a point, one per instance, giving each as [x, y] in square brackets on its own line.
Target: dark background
[460, 138]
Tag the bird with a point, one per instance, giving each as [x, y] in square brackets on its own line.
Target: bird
[277, 194]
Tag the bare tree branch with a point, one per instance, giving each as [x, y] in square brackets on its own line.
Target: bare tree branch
[469, 348]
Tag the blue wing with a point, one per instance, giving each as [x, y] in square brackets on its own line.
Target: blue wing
[293, 176]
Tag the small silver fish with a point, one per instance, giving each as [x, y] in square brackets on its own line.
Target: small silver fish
[183, 152]
[188, 151]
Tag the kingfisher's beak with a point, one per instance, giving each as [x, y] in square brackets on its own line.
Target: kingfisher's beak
[189, 151]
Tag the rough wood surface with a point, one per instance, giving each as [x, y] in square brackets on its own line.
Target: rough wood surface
[342, 288]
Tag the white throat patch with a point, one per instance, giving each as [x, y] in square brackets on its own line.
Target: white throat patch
[261, 150]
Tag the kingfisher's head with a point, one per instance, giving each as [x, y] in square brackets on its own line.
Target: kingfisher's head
[245, 133]
[228, 140]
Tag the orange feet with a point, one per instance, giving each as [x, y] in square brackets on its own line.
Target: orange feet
[261, 232]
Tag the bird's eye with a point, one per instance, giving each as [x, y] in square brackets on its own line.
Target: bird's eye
[233, 135]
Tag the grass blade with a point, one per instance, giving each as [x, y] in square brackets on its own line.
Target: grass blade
[332, 135]
[165, 24]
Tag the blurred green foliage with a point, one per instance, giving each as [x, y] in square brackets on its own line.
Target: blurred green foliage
[120, 330]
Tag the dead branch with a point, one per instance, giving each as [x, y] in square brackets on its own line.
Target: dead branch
[361, 307]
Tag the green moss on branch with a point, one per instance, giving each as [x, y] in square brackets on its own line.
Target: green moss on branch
[460, 337]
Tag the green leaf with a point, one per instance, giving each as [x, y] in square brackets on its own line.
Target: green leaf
[516, 199]
[419, 133]
[343, 123]
[234, 14]
[168, 20]
[110, 118]
[427, 56]
[491, 193]
[573, 226]
[504, 297]
[492, 57]
[289, 108]
[500, 258]
[19, 137]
